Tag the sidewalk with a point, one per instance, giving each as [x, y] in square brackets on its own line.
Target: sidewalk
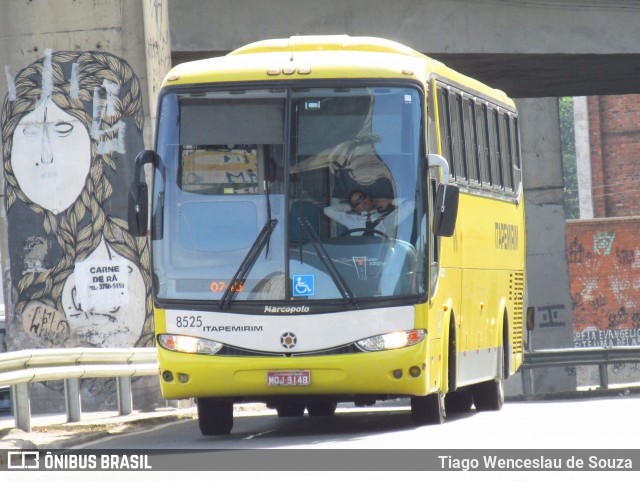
[52, 431]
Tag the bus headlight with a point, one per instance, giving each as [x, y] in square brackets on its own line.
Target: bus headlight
[392, 340]
[188, 344]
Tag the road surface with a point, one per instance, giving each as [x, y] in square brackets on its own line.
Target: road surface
[589, 425]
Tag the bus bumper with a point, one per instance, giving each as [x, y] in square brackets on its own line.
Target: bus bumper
[401, 372]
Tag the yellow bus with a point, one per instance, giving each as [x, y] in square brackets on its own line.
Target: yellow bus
[333, 219]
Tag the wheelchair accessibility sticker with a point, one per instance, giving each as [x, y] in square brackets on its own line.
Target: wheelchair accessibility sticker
[303, 285]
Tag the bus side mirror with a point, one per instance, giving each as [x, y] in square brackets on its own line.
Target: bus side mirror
[446, 207]
[138, 209]
[446, 210]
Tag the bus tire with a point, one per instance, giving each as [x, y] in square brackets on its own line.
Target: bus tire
[214, 416]
[321, 408]
[458, 401]
[489, 395]
[290, 410]
[428, 409]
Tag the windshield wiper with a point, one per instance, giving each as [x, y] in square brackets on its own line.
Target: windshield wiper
[268, 202]
[336, 277]
[247, 263]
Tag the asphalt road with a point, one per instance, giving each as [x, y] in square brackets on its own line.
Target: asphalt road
[611, 423]
[338, 447]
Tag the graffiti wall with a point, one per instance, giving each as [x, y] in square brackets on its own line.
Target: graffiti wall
[604, 268]
[71, 128]
[604, 273]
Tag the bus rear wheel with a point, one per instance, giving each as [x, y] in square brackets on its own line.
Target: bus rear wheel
[321, 408]
[428, 409]
[459, 401]
[290, 410]
[214, 416]
[489, 395]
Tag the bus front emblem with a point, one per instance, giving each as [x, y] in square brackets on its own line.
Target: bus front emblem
[360, 264]
[288, 340]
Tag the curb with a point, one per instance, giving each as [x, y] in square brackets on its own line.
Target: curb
[66, 435]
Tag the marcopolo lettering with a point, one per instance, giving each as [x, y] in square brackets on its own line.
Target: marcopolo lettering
[286, 309]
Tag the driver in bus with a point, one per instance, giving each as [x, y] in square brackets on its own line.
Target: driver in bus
[366, 215]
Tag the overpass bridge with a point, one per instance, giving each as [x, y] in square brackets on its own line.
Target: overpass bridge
[528, 48]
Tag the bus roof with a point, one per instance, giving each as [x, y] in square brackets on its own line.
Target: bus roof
[327, 43]
[322, 57]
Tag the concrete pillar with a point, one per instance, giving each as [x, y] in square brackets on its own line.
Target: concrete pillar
[158, 52]
[583, 156]
[77, 83]
[547, 269]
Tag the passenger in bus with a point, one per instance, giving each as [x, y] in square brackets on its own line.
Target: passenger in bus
[367, 215]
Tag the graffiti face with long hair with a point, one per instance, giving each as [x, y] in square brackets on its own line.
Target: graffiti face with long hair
[50, 156]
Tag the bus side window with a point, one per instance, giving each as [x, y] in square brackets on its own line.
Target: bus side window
[505, 151]
[515, 148]
[494, 155]
[483, 144]
[432, 130]
[470, 138]
[457, 142]
[445, 131]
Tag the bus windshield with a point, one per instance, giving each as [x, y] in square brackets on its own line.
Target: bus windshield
[290, 194]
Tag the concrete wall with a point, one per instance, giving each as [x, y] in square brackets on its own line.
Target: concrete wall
[604, 267]
[75, 114]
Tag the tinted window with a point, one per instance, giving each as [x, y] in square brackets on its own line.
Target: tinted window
[483, 144]
[456, 136]
[505, 151]
[494, 157]
[445, 132]
[470, 139]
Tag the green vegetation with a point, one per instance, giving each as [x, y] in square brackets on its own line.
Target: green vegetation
[568, 141]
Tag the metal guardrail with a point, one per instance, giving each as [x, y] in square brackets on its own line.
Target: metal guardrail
[596, 356]
[19, 368]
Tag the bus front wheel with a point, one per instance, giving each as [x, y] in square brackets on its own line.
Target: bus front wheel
[214, 416]
[428, 409]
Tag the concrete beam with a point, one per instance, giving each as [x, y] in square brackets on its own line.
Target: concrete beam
[527, 49]
[446, 26]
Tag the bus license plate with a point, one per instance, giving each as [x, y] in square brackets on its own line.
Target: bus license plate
[288, 378]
